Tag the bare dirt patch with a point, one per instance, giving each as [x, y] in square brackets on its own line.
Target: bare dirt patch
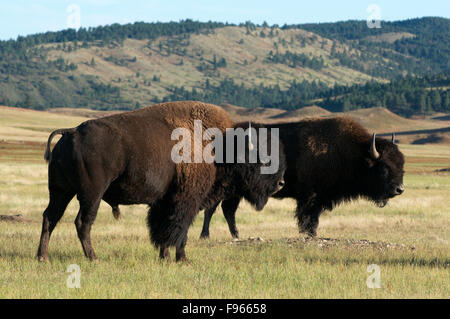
[14, 219]
[325, 243]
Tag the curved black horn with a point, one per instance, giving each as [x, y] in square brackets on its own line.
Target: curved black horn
[373, 149]
[393, 138]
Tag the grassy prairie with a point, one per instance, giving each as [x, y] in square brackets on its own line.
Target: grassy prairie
[408, 240]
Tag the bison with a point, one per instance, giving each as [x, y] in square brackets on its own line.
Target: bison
[329, 161]
[126, 159]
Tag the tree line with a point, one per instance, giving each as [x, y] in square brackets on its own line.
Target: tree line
[404, 96]
[428, 40]
[296, 59]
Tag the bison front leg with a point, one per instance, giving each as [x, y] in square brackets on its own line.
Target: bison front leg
[164, 253]
[168, 222]
[180, 252]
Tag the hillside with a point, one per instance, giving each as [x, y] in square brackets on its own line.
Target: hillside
[307, 111]
[129, 66]
[146, 70]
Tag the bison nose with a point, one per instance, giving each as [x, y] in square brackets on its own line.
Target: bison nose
[400, 189]
[281, 184]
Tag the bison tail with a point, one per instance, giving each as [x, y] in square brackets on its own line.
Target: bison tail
[48, 153]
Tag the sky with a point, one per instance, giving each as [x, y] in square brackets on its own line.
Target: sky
[24, 17]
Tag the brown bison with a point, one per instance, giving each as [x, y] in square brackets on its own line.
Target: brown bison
[127, 159]
[329, 161]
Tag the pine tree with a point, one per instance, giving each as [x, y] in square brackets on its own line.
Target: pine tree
[215, 62]
[435, 100]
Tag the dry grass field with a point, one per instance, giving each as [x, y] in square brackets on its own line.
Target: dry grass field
[408, 239]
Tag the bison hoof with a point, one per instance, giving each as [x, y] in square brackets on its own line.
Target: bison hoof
[42, 258]
[92, 258]
[204, 236]
[117, 215]
[309, 232]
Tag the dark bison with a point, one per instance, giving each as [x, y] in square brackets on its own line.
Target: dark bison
[329, 161]
[126, 159]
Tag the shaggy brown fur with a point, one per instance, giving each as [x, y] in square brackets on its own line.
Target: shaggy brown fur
[126, 159]
[328, 162]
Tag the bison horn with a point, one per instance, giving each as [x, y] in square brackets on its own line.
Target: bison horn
[373, 149]
[393, 138]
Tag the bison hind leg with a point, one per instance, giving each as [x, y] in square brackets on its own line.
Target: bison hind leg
[89, 204]
[164, 253]
[229, 208]
[308, 225]
[209, 212]
[59, 199]
[308, 216]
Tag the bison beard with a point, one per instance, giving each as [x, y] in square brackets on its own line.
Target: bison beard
[329, 161]
[126, 159]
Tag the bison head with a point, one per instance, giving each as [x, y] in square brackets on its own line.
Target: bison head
[256, 187]
[256, 180]
[385, 174]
